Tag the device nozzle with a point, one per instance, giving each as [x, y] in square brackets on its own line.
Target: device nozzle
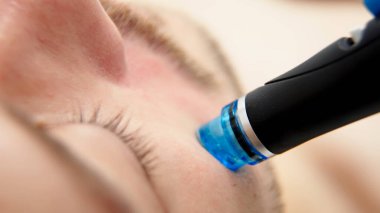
[220, 140]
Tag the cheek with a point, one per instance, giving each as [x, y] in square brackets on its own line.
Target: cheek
[189, 179]
[184, 174]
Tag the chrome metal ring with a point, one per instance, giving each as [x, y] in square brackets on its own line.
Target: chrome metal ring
[242, 117]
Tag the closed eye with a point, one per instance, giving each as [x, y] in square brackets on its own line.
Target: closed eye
[119, 125]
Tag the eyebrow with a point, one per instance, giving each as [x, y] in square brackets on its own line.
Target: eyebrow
[130, 22]
[95, 184]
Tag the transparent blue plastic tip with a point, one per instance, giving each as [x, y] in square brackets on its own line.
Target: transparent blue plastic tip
[373, 6]
[219, 139]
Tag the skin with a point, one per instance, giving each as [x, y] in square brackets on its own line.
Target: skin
[94, 117]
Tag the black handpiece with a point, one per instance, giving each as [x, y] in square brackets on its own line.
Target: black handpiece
[339, 85]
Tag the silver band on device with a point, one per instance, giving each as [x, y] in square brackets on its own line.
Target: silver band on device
[242, 116]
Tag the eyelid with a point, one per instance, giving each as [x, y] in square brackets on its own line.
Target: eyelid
[119, 124]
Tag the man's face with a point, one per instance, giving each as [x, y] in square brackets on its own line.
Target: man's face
[100, 115]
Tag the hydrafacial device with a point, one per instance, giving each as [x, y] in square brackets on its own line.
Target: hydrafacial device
[337, 86]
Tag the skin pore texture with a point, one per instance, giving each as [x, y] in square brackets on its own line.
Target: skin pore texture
[99, 104]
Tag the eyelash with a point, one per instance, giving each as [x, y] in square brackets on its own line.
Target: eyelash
[118, 125]
[115, 125]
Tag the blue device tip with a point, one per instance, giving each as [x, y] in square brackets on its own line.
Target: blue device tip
[218, 138]
[212, 137]
[373, 6]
